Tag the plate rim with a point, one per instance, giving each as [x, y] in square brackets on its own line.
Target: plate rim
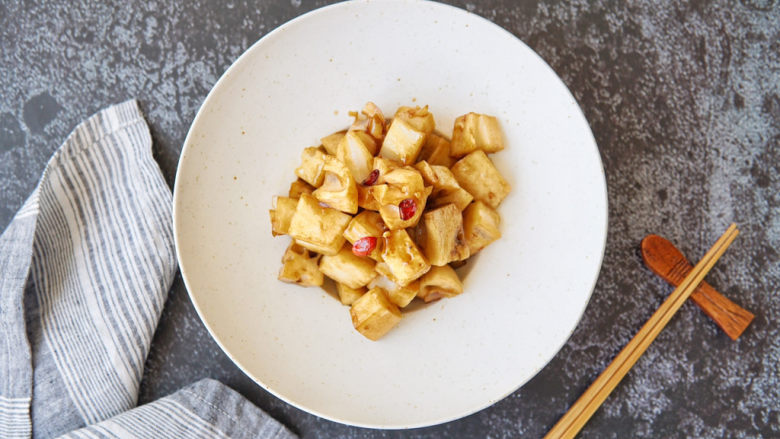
[177, 215]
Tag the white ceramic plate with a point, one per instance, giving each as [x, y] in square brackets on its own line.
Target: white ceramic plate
[523, 295]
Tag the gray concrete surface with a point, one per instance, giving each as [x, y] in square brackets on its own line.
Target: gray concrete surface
[684, 101]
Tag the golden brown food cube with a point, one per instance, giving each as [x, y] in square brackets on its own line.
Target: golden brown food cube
[370, 121]
[403, 260]
[373, 315]
[347, 268]
[318, 228]
[348, 295]
[418, 117]
[385, 166]
[436, 151]
[338, 189]
[282, 214]
[354, 153]
[439, 282]
[312, 163]
[400, 296]
[476, 131]
[407, 133]
[480, 178]
[371, 143]
[402, 198]
[366, 198]
[402, 142]
[299, 266]
[364, 224]
[367, 223]
[446, 189]
[444, 236]
[480, 226]
[393, 215]
[331, 142]
[299, 187]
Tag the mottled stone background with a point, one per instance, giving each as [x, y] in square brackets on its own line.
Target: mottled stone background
[684, 101]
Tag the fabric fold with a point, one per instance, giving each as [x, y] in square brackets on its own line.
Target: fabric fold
[206, 409]
[15, 370]
[86, 266]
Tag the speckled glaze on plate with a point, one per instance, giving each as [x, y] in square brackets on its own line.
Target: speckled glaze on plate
[523, 294]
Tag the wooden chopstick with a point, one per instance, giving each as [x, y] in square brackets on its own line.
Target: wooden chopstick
[579, 413]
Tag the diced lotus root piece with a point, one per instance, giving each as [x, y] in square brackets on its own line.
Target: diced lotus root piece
[436, 151]
[401, 198]
[318, 228]
[331, 142]
[338, 189]
[354, 152]
[407, 134]
[299, 266]
[347, 268]
[299, 187]
[364, 225]
[477, 174]
[348, 295]
[400, 296]
[281, 214]
[446, 189]
[439, 282]
[373, 314]
[370, 121]
[480, 226]
[476, 131]
[444, 239]
[366, 198]
[312, 164]
[403, 260]
[384, 166]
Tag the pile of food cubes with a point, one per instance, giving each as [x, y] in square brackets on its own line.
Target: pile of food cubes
[388, 208]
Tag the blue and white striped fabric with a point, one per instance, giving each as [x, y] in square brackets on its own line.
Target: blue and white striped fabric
[85, 267]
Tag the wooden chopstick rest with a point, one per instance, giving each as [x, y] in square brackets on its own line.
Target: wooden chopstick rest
[665, 260]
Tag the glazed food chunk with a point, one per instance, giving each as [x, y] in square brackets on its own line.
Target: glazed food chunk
[443, 236]
[318, 228]
[436, 151]
[346, 268]
[480, 226]
[338, 188]
[312, 162]
[299, 187]
[299, 266]
[474, 131]
[480, 178]
[403, 260]
[407, 134]
[446, 189]
[401, 198]
[440, 282]
[282, 214]
[373, 315]
[348, 295]
[400, 296]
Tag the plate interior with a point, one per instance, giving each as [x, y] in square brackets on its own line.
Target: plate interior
[523, 294]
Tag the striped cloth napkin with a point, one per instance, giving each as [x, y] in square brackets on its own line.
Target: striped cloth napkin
[85, 267]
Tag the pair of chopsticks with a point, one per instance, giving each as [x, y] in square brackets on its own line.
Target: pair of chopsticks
[579, 413]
